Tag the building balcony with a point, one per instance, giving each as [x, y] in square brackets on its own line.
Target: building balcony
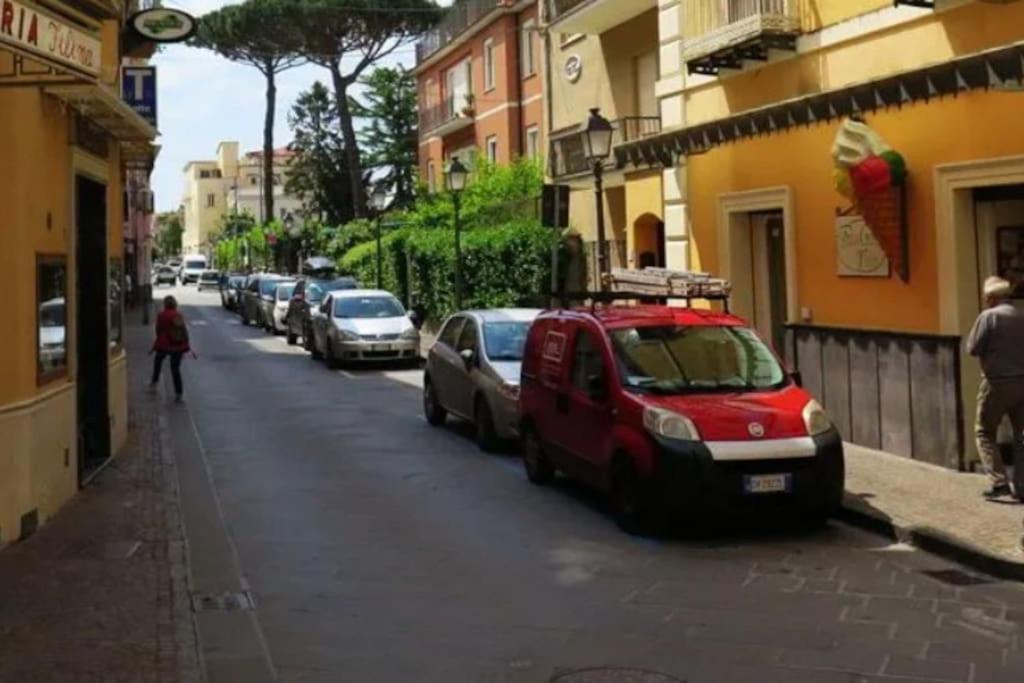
[594, 17]
[725, 34]
[456, 21]
[451, 115]
[567, 155]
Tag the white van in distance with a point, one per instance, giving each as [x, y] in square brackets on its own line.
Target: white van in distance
[192, 267]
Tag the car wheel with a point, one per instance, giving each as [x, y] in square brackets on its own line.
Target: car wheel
[632, 509]
[539, 469]
[432, 409]
[486, 437]
[332, 361]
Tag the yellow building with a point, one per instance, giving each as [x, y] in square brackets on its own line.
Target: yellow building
[65, 140]
[752, 95]
[215, 188]
[604, 54]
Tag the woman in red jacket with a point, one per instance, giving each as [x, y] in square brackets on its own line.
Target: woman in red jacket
[171, 340]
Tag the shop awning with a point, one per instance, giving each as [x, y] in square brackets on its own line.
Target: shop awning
[998, 69]
[105, 109]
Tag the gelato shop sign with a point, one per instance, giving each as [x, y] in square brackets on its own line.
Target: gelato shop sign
[35, 32]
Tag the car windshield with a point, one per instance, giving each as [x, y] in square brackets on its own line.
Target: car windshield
[316, 290]
[368, 307]
[195, 264]
[504, 341]
[236, 281]
[267, 287]
[51, 315]
[676, 359]
[284, 292]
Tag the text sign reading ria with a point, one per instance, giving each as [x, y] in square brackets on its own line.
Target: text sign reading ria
[33, 31]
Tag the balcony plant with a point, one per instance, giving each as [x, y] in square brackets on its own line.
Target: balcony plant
[468, 108]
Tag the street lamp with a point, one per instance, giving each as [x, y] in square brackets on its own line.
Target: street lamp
[379, 202]
[597, 142]
[457, 176]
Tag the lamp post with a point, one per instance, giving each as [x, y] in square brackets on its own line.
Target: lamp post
[379, 202]
[597, 142]
[457, 176]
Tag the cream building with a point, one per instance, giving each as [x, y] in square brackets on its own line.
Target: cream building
[215, 188]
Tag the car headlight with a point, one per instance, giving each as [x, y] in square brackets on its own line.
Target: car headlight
[411, 333]
[670, 425]
[815, 419]
[508, 390]
[346, 335]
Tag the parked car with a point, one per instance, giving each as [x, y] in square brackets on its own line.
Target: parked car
[473, 372]
[306, 298]
[673, 411]
[275, 307]
[192, 268]
[259, 286]
[208, 279]
[364, 325]
[165, 275]
[230, 291]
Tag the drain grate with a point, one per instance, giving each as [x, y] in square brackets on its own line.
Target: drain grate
[223, 602]
[613, 675]
[956, 577]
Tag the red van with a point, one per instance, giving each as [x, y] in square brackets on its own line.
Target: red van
[673, 411]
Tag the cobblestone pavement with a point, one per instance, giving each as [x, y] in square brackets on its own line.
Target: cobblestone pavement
[940, 503]
[379, 549]
[99, 593]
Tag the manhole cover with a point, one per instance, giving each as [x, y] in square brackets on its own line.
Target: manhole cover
[610, 675]
[956, 577]
[223, 602]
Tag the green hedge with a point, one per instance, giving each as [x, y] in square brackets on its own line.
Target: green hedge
[507, 265]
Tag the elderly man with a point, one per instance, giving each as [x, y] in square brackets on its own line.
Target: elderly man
[997, 340]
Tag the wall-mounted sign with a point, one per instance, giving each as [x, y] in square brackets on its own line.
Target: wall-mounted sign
[138, 90]
[858, 252]
[163, 25]
[39, 33]
[573, 68]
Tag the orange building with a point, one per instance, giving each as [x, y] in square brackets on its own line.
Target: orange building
[480, 86]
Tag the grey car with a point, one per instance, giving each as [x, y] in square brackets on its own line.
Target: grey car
[259, 287]
[473, 372]
[364, 325]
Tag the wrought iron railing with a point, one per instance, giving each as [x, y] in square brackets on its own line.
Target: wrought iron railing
[450, 109]
[567, 153]
[719, 24]
[462, 15]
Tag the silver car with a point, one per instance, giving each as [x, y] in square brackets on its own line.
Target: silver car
[363, 325]
[473, 372]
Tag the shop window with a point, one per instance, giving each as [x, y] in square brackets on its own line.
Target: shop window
[115, 302]
[51, 295]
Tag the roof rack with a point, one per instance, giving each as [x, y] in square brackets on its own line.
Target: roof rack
[655, 283]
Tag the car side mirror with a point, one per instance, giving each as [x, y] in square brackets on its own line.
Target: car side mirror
[596, 388]
[468, 357]
[797, 377]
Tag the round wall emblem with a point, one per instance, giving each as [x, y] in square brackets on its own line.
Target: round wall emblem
[163, 25]
[573, 68]
[755, 429]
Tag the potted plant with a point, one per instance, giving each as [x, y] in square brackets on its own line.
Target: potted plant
[467, 107]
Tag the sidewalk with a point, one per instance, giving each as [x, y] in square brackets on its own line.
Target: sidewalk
[937, 509]
[100, 593]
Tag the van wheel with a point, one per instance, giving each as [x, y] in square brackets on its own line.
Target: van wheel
[486, 436]
[632, 509]
[432, 409]
[539, 469]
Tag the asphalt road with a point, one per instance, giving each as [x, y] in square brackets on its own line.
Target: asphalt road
[376, 548]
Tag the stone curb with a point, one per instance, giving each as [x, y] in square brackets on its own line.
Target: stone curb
[932, 540]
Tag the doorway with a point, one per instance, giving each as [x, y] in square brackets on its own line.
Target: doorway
[92, 360]
[768, 274]
[649, 241]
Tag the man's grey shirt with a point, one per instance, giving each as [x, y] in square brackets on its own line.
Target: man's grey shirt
[997, 339]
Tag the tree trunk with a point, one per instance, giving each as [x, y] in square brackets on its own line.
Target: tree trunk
[268, 147]
[353, 162]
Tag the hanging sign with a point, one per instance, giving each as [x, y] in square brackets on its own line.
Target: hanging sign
[138, 90]
[163, 25]
[857, 249]
[34, 31]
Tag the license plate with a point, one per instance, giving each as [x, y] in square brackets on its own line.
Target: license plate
[380, 347]
[767, 483]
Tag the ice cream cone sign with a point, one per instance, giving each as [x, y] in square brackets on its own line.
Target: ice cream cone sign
[872, 175]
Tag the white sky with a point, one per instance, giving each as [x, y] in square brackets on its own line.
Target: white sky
[203, 99]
